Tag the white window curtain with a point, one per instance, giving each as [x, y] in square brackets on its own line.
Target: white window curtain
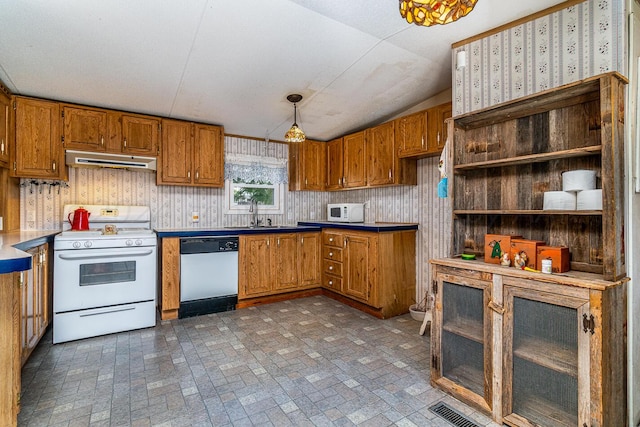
[254, 168]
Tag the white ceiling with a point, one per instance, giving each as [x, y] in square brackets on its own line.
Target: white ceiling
[356, 62]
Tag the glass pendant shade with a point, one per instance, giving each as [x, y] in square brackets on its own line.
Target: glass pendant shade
[432, 12]
[295, 134]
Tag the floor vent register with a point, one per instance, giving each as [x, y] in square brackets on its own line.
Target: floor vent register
[451, 415]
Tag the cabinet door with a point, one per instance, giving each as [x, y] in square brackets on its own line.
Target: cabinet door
[313, 165]
[546, 378]
[309, 262]
[208, 155]
[356, 266]
[5, 128]
[255, 266]
[140, 135]
[437, 131]
[334, 164]
[284, 262]
[84, 129]
[410, 134]
[39, 152]
[381, 164]
[175, 153]
[170, 273]
[462, 339]
[33, 304]
[355, 161]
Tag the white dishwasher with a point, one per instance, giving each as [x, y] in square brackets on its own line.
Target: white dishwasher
[208, 275]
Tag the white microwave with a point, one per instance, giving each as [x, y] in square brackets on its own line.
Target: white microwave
[345, 212]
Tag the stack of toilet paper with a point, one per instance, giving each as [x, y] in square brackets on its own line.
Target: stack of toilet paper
[578, 193]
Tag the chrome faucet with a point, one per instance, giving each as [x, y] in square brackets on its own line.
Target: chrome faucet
[253, 209]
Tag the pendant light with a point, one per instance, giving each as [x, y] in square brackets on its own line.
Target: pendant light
[295, 134]
[431, 12]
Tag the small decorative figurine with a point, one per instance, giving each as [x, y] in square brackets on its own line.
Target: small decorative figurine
[504, 260]
[520, 260]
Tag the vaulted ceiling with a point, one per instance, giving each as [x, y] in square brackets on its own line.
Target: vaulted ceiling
[233, 63]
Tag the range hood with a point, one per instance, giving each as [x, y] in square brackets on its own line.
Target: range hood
[106, 160]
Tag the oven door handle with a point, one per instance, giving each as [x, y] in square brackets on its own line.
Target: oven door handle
[117, 310]
[93, 256]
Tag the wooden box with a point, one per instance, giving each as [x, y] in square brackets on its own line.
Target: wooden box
[559, 256]
[529, 247]
[495, 245]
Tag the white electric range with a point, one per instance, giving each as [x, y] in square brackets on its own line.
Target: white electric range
[104, 278]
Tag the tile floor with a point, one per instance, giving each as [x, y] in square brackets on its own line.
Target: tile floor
[304, 362]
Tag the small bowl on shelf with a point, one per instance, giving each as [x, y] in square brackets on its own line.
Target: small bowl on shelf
[467, 257]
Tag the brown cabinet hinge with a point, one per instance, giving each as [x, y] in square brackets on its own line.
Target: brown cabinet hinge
[62, 113]
[588, 324]
[434, 287]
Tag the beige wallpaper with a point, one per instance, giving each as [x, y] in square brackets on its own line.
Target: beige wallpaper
[171, 207]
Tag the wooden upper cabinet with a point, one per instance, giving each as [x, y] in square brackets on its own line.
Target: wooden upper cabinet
[334, 164]
[84, 128]
[191, 154]
[423, 134]
[307, 165]
[354, 160]
[140, 135]
[5, 128]
[381, 166]
[410, 134]
[175, 153]
[436, 129]
[208, 155]
[38, 152]
[314, 165]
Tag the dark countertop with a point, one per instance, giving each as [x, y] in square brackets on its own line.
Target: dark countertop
[232, 231]
[303, 226]
[363, 226]
[14, 244]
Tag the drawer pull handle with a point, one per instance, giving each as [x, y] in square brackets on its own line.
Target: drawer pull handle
[331, 267]
[330, 282]
[331, 239]
[330, 253]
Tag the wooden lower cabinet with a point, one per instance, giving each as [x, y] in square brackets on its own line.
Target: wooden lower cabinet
[169, 260]
[10, 365]
[272, 264]
[530, 348]
[376, 270]
[35, 311]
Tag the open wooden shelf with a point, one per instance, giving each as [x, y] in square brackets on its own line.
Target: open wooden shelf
[530, 158]
[543, 412]
[548, 354]
[470, 329]
[522, 212]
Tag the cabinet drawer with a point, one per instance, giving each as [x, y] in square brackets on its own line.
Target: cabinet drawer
[332, 267]
[332, 282]
[332, 253]
[332, 239]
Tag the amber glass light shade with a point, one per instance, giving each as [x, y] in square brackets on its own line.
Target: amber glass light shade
[295, 134]
[433, 12]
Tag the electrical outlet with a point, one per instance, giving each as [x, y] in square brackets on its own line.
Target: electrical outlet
[195, 216]
[31, 216]
[1, 224]
[312, 215]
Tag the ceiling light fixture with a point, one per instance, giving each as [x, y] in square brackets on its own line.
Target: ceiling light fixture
[432, 12]
[295, 134]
